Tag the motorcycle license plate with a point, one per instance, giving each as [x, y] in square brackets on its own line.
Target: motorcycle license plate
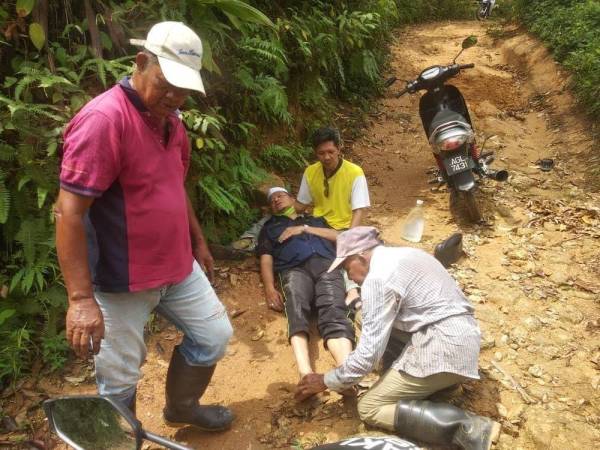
[457, 164]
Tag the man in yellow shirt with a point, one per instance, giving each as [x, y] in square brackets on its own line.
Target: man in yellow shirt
[336, 188]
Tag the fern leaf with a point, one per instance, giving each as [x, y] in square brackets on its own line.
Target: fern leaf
[216, 194]
[101, 72]
[22, 84]
[4, 200]
[7, 152]
[33, 232]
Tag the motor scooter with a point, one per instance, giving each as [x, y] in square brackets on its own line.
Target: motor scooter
[484, 9]
[449, 129]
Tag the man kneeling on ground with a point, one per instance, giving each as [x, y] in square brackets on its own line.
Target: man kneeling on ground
[406, 291]
[300, 249]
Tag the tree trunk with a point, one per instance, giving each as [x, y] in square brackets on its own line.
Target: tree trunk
[115, 30]
[40, 15]
[90, 15]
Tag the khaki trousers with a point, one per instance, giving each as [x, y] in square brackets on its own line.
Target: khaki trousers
[378, 406]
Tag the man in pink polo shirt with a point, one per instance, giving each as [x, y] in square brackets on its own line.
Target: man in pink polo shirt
[127, 237]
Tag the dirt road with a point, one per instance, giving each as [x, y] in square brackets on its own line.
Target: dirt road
[532, 271]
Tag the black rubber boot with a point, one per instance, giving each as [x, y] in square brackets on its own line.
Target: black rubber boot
[444, 424]
[185, 385]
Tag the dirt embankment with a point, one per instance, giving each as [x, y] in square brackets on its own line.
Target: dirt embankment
[531, 271]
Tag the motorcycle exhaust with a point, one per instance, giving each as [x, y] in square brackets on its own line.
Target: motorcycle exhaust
[498, 175]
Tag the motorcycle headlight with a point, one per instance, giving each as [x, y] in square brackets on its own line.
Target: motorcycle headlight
[452, 138]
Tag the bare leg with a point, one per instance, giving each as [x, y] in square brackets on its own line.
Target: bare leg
[300, 347]
[339, 348]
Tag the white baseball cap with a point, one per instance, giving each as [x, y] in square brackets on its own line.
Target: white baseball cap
[274, 190]
[179, 52]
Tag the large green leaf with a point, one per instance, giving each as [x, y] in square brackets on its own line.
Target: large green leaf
[208, 61]
[24, 7]
[37, 35]
[6, 314]
[42, 193]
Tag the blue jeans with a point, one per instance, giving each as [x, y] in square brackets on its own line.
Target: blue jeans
[191, 305]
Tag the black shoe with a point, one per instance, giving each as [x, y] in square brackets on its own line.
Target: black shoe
[450, 250]
[185, 385]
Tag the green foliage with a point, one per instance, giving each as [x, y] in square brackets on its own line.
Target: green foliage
[572, 31]
[284, 159]
[14, 352]
[55, 350]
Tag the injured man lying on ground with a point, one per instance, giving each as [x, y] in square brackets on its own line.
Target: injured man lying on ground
[297, 250]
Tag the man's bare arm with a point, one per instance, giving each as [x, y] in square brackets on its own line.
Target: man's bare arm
[326, 233]
[84, 318]
[273, 297]
[357, 217]
[71, 244]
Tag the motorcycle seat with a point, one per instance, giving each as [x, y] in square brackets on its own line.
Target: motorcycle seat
[443, 117]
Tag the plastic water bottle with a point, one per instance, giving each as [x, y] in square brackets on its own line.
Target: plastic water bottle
[412, 229]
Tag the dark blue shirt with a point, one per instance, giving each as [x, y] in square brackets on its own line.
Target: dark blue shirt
[297, 249]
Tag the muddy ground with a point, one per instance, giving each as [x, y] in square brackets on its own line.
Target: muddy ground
[532, 270]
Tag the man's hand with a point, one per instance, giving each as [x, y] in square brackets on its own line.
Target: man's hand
[85, 325]
[274, 300]
[291, 231]
[311, 384]
[205, 259]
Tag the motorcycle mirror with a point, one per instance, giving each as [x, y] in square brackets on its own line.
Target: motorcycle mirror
[93, 422]
[470, 41]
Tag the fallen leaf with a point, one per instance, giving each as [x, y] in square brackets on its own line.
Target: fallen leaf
[76, 380]
[258, 336]
[237, 312]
